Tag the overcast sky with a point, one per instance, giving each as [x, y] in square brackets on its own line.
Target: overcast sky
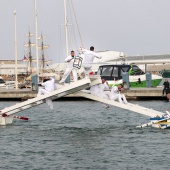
[131, 26]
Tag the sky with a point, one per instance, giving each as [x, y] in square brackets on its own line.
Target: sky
[135, 27]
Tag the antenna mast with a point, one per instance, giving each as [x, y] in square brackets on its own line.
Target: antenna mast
[16, 52]
[35, 5]
[66, 26]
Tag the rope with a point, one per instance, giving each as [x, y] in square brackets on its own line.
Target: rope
[71, 41]
[60, 37]
[73, 30]
[77, 24]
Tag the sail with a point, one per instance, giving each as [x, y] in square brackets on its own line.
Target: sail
[31, 44]
[41, 37]
[43, 47]
[46, 61]
[40, 61]
[29, 35]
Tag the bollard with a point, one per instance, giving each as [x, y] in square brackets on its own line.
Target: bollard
[34, 82]
[67, 79]
[148, 80]
[125, 80]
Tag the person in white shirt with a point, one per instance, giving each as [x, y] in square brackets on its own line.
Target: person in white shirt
[48, 86]
[102, 87]
[70, 61]
[88, 57]
[94, 90]
[98, 90]
[116, 95]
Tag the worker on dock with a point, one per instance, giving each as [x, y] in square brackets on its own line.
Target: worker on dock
[166, 86]
[48, 86]
[168, 94]
[102, 87]
[70, 61]
[94, 90]
[116, 95]
[88, 57]
[99, 90]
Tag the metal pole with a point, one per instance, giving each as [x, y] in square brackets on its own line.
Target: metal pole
[66, 26]
[77, 24]
[36, 43]
[16, 52]
[146, 68]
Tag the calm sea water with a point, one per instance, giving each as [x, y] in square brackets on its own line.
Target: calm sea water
[84, 135]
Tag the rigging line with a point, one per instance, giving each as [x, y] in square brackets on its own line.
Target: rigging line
[60, 45]
[39, 5]
[73, 45]
[77, 24]
[71, 42]
[73, 30]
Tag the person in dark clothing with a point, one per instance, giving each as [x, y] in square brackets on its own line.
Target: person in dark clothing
[166, 86]
[168, 94]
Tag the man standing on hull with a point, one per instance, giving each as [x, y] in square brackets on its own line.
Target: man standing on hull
[70, 61]
[88, 57]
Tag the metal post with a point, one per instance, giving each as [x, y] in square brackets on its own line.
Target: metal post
[36, 43]
[145, 68]
[16, 53]
[148, 79]
[125, 80]
[66, 26]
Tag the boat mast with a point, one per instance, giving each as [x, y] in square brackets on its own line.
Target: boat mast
[42, 48]
[35, 5]
[43, 59]
[66, 26]
[30, 56]
[77, 24]
[29, 45]
[16, 52]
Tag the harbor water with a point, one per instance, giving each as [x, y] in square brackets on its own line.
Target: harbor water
[84, 135]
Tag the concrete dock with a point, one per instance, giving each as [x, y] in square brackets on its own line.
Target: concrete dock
[23, 94]
[143, 92]
[19, 94]
[134, 93]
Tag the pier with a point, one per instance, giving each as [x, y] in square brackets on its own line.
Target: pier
[19, 94]
[23, 94]
[138, 93]
[143, 92]
[6, 114]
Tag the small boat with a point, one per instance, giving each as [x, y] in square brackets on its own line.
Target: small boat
[165, 73]
[137, 78]
[6, 84]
